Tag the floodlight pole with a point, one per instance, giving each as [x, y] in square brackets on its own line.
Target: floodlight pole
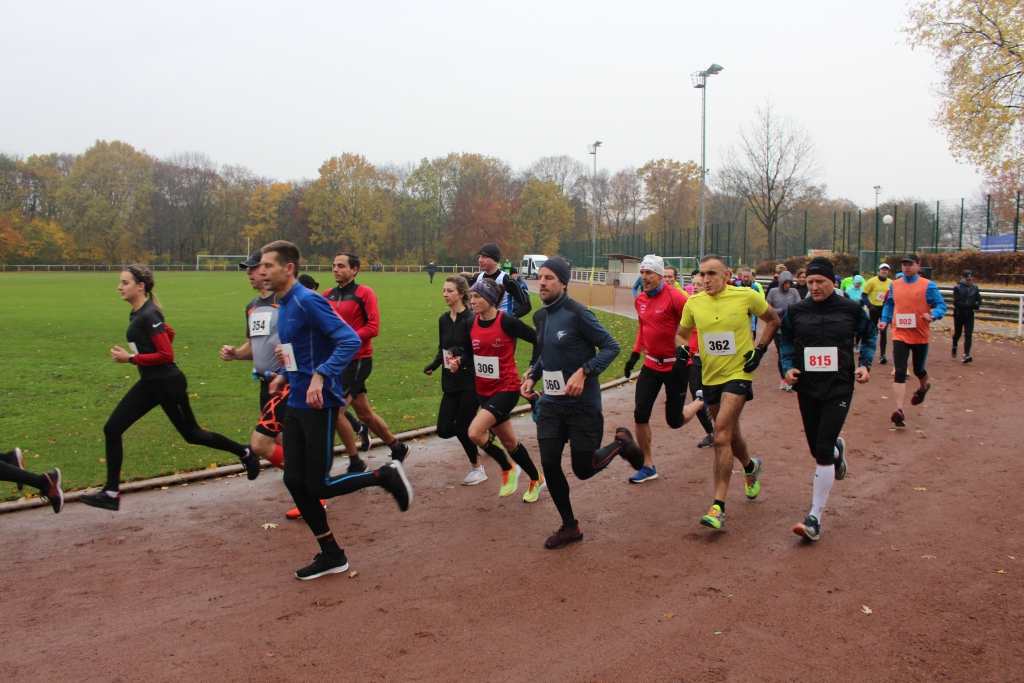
[878, 191]
[592, 149]
[700, 80]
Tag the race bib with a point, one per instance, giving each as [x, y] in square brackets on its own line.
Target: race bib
[554, 383]
[447, 355]
[821, 359]
[720, 344]
[880, 296]
[289, 358]
[259, 324]
[133, 347]
[487, 367]
[906, 321]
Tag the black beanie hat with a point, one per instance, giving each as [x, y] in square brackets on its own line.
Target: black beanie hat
[491, 251]
[560, 267]
[820, 265]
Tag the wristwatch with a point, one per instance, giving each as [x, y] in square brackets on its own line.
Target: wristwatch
[586, 371]
[763, 348]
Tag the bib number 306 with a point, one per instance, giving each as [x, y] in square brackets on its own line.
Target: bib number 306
[487, 367]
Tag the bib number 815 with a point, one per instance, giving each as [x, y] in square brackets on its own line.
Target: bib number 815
[820, 361]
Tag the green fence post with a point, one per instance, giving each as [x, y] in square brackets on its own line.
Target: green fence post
[935, 242]
[876, 237]
[960, 244]
[744, 259]
[895, 215]
[913, 247]
[1016, 222]
[805, 233]
[988, 214]
[860, 222]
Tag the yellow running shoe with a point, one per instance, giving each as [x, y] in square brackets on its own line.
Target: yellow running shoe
[752, 481]
[533, 493]
[715, 517]
[509, 482]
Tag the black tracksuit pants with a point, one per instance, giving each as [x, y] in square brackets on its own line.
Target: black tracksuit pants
[963, 323]
[823, 421]
[458, 408]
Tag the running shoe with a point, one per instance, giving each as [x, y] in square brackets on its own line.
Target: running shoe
[400, 452]
[533, 493]
[645, 473]
[967, 359]
[715, 518]
[322, 565]
[475, 476]
[364, 437]
[14, 459]
[567, 533]
[356, 464]
[708, 441]
[54, 493]
[883, 360]
[101, 500]
[252, 464]
[509, 482]
[783, 386]
[918, 397]
[631, 453]
[841, 459]
[395, 482]
[898, 418]
[752, 481]
[295, 514]
[809, 529]
[954, 351]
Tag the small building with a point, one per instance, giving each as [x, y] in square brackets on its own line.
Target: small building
[623, 269]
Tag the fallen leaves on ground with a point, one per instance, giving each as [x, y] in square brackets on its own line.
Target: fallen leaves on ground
[920, 488]
[865, 609]
[269, 525]
[353, 574]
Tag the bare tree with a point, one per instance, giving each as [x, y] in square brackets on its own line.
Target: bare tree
[562, 169]
[624, 207]
[772, 167]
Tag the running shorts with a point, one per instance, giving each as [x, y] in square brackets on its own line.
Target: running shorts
[353, 377]
[713, 393]
[581, 427]
[500, 405]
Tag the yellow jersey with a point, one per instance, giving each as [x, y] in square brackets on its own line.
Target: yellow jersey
[723, 331]
[877, 290]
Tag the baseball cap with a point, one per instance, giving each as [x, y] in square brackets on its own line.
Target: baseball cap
[967, 274]
[910, 257]
[252, 261]
[884, 265]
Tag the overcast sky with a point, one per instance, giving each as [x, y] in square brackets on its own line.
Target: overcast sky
[280, 87]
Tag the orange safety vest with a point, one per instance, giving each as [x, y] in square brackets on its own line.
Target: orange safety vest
[910, 303]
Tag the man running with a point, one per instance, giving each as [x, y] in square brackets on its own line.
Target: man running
[672, 278]
[696, 387]
[729, 359]
[316, 345]
[914, 302]
[515, 302]
[357, 305]
[876, 290]
[12, 469]
[431, 271]
[747, 280]
[816, 347]
[966, 300]
[570, 407]
[659, 308]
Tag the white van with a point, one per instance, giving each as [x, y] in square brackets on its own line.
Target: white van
[531, 264]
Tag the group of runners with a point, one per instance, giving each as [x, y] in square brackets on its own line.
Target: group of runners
[312, 356]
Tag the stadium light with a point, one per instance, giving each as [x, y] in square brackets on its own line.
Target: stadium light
[700, 80]
[592, 149]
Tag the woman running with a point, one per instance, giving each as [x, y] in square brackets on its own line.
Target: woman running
[493, 338]
[455, 356]
[160, 383]
[12, 468]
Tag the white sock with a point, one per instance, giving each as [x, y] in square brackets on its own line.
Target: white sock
[824, 477]
[113, 494]
[837, 452]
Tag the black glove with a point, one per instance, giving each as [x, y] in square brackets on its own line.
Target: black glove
[753, 358]
[682, 354]
[428, 368]
[633, 358]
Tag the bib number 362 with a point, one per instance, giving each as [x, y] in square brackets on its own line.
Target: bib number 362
[554, 383]
[720, 344]
[487, 367]
[821, 359]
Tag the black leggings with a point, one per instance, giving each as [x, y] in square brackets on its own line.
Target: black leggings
[171, 394]
[963, 322]
[458, 408]
[308, 457]
[585, 464]
[901, 352]
[875, 313]
[19, 476]
[823, 421]
[649, 383]
[695, 385]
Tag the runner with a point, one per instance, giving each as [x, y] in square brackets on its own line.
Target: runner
[316, 345]
[915, 302]
[357, 305]
[876, 290]
[161, 383]
[729, 359]
[672, 278]
[746, 279]
[780, 298]
[493, 336]
[455, 354]
[801, 283]
[12, 469]
[855, 292]
[570, 406]
[696, 386]
[845, 283]
[817, 339]
[966, 300]
[515, 302]
[659, 309]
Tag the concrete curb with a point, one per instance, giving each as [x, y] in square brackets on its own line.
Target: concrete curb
[229, 470]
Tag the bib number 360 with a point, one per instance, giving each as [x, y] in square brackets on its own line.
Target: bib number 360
[554, 383]
[487, 367]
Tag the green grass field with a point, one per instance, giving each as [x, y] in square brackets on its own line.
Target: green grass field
[59, 383]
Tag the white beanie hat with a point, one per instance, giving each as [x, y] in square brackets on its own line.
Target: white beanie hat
[653, 263]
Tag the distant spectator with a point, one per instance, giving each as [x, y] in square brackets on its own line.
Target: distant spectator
[431, 271]
[801, 283]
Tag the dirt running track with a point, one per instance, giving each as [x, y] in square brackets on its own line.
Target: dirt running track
[186, 585]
